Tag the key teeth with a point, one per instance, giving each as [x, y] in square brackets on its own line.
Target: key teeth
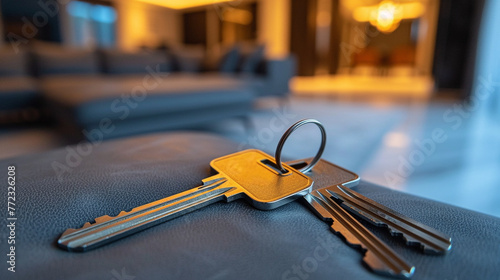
[414, 243]
[106, 218]
[425, 248]
[102, 219]
[88, 224]
[349, 240]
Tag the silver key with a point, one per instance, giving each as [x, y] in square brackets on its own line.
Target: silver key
[430, 240]
[377, 255]
[340, 180]
[249, 174]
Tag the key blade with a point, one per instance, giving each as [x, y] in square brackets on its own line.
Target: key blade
[107, 229]
[377, 255]
[430, 240]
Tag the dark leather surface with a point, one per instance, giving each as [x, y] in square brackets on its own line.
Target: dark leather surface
[221, 241]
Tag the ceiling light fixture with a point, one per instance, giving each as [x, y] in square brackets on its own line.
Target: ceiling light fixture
[183, 4]
[387, 15]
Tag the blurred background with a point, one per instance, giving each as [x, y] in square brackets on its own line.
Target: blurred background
[408, 90]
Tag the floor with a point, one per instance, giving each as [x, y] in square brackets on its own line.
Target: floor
[437, 150]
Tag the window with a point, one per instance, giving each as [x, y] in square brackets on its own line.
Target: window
[92, 24]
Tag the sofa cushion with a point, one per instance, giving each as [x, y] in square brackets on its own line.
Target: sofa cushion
[173, 101]
[67, 187]
[228, 62]
[12, 63]
[119, 62]
[178, 91]
[18, 93]
[189, 59]
[63, 61]
[250, 59]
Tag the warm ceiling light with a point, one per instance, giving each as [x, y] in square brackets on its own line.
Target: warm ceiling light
[362, 14]
[183, 4]
[387, 15]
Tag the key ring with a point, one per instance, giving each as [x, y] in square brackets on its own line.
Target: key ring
[277, 155]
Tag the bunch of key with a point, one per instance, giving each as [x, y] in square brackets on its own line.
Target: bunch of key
[267, 183]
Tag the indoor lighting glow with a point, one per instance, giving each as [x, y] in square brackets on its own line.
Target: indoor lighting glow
[183, 4]
[387, 15]
[396, 140]
[238, 16]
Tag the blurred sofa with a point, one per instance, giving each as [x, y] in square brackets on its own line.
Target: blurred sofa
[19, 92]
[100, 94]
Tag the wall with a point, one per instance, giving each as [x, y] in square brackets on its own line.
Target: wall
[1, 29]
[386, 43]
[139, 24]
[456, 37]
[427, 29]
[303, 35]
[485, 91]
[29, 19]
[144, 24]
[274, 26]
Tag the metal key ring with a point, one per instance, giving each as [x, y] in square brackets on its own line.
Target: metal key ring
[277, 155]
